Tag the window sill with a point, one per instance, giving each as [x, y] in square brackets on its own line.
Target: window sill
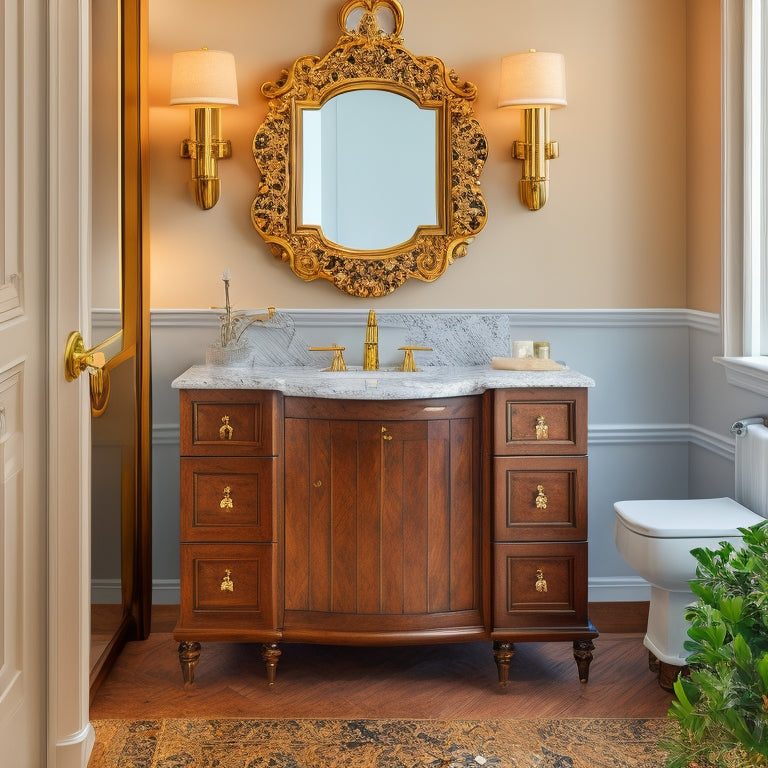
[749, 373]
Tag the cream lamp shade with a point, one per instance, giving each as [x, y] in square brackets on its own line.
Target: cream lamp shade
[532, 79]
[203, 78]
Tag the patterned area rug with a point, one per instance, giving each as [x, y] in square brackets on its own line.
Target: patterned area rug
[568, 743]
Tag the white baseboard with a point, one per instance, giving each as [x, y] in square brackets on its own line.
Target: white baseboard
[166, 592]
[616, 589]
[109, 592]
[106, 592]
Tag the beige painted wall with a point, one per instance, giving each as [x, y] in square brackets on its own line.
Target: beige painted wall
[703, 155]
[613, 234]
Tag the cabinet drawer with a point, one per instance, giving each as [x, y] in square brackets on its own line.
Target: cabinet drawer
[228, 422]
[540, 498]
[228, 499]
[540, 585]
[540, 421]
[225, 585]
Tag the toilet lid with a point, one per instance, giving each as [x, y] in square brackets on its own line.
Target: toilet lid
[685, 518]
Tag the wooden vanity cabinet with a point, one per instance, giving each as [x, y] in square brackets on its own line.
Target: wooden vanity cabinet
[539, 539]
[384, 522]
[383, 511]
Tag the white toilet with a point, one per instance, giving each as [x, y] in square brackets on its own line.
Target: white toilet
[656, 537]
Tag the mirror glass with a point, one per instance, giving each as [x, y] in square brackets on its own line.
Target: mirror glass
[107, 450]
[369, 169]
[120, 446]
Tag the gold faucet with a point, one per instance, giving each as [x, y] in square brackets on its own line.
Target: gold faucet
[371, 346]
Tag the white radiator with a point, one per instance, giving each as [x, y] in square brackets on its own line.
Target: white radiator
[752, 468]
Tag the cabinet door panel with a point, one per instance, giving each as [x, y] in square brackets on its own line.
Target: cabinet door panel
[540, 585]
[229, 422]
[383, 517]
[301, 491]
[228, 586]
[228, 499]
[540, 421]
[539, 498]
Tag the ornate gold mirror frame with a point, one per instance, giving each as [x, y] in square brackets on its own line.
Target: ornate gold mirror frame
[370, 58]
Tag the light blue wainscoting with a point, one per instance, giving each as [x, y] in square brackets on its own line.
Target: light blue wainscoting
[659, 415]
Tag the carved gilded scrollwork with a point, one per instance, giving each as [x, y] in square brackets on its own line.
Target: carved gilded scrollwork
[370, 58]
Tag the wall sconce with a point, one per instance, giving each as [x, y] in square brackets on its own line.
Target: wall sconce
[533, 82]
[205, 81]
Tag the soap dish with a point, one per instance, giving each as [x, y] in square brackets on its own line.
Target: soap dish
[525, 364]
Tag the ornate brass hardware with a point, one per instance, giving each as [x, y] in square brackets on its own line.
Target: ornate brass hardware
[542, 428]
[78, 359]
[227, 585]
[384, 434]
[541, 498]
[317, 483]
[409, 364]
[226, 430]
[337, 364]
[541, 582]
[226, 502]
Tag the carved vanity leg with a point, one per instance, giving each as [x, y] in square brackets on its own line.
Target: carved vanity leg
[653, 663]
[582, 652]
[503, 653]
[271, 655]
[189, 655]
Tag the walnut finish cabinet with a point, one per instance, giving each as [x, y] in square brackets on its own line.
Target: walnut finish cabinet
[383, 522]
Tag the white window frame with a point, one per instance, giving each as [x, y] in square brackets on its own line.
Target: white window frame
[744, 246]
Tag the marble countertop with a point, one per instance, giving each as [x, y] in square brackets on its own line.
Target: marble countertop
[356, 384]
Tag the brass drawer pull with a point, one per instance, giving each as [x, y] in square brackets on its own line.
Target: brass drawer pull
[384, 434]
[227, 585]
[541, 498]
[226, 430]
[226, 502]
[541, 582]
[542, 428]
[318, 483]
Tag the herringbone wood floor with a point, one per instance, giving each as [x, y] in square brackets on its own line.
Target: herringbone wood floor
[432, 682]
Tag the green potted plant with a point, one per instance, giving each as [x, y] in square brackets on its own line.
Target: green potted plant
[722, 708]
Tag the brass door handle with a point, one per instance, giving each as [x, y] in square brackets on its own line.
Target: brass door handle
[384, 434]
[77, 358]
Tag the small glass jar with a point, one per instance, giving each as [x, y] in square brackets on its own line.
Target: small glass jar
[541, 350]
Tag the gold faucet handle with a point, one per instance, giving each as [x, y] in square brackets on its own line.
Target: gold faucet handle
[337, 364]
[409, 364]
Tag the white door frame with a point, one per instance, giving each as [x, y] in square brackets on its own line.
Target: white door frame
[70, 735]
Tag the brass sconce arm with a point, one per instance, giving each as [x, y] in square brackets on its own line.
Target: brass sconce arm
[535, 150]
[205, 148]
